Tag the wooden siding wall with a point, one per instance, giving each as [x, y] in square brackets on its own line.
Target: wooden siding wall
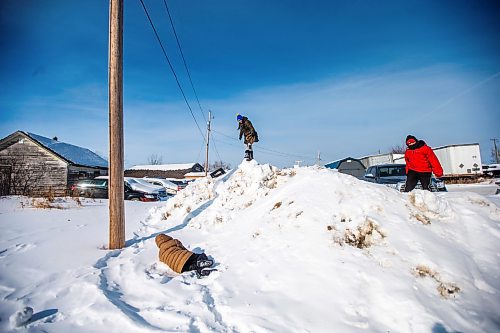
[35, 171]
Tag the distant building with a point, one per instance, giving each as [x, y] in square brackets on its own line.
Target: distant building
[349, 165]
[174, 171]
[31, 164]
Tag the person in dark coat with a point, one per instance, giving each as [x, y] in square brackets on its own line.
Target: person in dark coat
[421, 162]
[248, 132]
[180, 259]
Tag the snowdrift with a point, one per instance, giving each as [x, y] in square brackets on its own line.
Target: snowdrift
[304, 249]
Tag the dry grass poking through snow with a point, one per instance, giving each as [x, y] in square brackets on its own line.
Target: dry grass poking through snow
[364, 236]
[277, 205]
[44, 203]
[421, 218]
[445, 289]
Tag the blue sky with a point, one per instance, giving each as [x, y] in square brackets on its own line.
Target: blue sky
[345, 78]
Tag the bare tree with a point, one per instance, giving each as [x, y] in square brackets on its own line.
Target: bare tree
[219, 164]
[155, 159]
[398, 149]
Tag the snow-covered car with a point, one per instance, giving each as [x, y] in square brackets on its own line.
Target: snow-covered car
[98, 189]
[141, 185]
[181, 183]
[148, 189]
[169, 186]
[394, 175]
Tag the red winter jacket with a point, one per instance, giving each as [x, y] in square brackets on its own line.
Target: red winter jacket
[422, 159]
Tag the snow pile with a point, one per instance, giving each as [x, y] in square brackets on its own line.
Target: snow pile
[303, 249]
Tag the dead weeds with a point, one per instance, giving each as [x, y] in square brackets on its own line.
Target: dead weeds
[445, 289]
[365, 235]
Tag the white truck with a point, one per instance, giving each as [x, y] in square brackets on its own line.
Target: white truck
[461, 160]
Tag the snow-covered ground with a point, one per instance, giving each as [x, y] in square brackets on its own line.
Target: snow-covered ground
[297, 250]
[486, 188]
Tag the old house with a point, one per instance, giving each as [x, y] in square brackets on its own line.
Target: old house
[175, 171]
[31, 164]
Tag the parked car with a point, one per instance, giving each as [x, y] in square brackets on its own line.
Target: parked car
[141, 185]
[91, 188]
[394, 175]
[491, 170]
[181, 183]
[98, 189]
[169, 186]
[136, 185]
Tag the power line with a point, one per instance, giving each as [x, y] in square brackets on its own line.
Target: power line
[184, 59]
[201, 149]
[269, 151]
[172, 69]
[187, 71]
[216, 150]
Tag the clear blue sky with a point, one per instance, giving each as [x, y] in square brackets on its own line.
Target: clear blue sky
[346, 78]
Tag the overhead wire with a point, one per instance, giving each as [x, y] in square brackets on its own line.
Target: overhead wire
[260, 148]
[215, 147]
[269, 151]
[188, 71]
[184, 59]
[172, 69]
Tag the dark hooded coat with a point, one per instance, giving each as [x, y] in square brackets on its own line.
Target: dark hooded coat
[172, 252]
[246, 129]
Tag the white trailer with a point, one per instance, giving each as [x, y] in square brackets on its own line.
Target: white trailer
[462, 160]
[388, 158]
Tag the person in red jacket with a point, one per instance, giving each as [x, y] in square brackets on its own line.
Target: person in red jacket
[421, 162]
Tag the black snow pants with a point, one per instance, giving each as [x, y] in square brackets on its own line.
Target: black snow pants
[413, 177]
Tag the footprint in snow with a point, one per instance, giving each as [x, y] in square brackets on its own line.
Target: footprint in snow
[18, 248]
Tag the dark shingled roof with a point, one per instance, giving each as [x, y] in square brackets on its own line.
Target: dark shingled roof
[74, 154]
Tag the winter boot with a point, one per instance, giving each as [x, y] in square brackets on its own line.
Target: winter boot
[247, 155]
[203, 272]
[250, 154]
[202, 261]
[198, 261]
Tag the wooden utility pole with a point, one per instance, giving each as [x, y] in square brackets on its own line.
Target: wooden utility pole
[208, 140]
[116, 186]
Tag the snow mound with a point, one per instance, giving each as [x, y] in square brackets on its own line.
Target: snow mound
[302, 249]
[428, 202]
[279, 234]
